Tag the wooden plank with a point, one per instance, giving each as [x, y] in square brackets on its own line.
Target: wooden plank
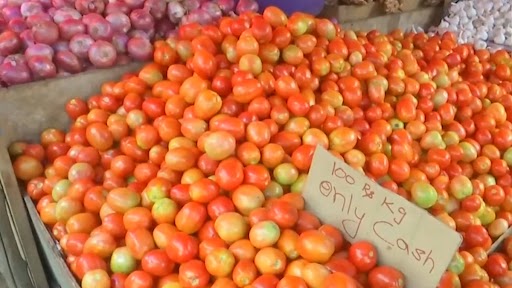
[423, 17]
[21, 251]
[26, 110]
[348, 13]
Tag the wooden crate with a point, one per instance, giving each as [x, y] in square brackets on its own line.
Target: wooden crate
[372, 16]
[25, 111]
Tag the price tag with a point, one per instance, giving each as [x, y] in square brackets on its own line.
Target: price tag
[406, 236]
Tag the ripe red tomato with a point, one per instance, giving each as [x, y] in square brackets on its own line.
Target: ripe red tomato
[266, 281]
[496, 265]
[157, 263]
[88, 262]
[386, 276]
[191, 217]
[193, 274]
[204, 190]
[139, 241]
[283, 214]
[182, 247]
[363, 255]
[139, 279]
[220, 205]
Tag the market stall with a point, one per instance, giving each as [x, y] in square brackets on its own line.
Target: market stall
[266, 149]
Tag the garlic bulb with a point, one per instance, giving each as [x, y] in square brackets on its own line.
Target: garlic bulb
[481, 22]
[480, 44]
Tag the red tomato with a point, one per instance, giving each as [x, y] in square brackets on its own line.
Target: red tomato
[193, 274]
[182, 247]
[157, 263]
[220, 205]
[386, 276]
[204, 190]
[88, 262]
[283, 214]
[496, 265]
[265, 281]
[363, 255]
[139, 241]
[139, 279]
[191, 217]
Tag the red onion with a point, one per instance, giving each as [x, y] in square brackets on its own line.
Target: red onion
[142, 20]
[90, 18]
[39, 50]
[37, 18]
[212, 9]
[80, 45]
[90, 6]
[175, 11]
[117, 6]
[140, 49]
[119, 41]
[17, 25]
[102, 54]
[14, 70]
[42, 67]
[10, 12]
[140, 33]
[63, 3]
[3, 3]
[163, 27]
[135, 4]
[45, 3]
[18, 58]
[71, 27]
[51, 11]
[197, 16]
[65, 13]
[10, 43]
[27, 38]
[172, 34]
[226, 5]
[120, 22]
[61, 46]
[31, 8]
[67, 61]
[46, 32]
[15, 2]
[156, 8]
[246, 6]
[123, 59]
[191, 5]
[100, 30]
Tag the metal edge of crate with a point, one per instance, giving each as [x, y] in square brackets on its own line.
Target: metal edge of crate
[61, 276]
[20, 98]
[22, 256]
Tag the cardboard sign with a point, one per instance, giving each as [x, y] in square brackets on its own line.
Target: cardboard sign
[406, 236]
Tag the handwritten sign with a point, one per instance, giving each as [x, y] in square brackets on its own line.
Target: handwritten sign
[406, 236]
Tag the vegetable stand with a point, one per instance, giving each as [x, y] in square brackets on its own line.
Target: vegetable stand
[194, 169]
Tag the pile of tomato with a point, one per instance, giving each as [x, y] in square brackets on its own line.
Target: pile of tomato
[189, 173]
[497, 263]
